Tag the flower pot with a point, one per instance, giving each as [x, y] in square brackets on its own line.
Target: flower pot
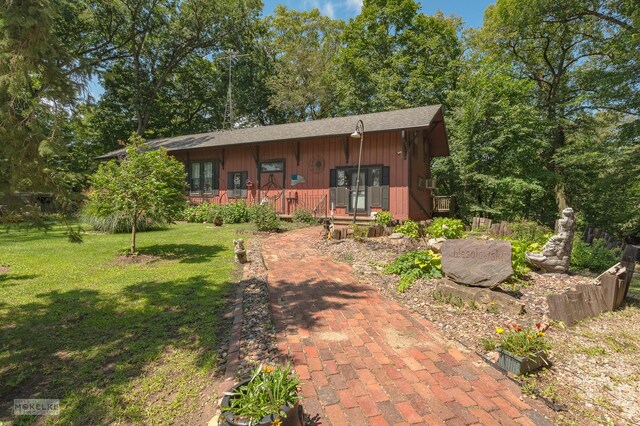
[294, 414]
[521, 365]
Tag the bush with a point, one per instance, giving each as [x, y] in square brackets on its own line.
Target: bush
[518, 261]
[445, 227]
[414, 265]
[200, 213]
[117, 223]
[235, 212]
[384, 218]
[264, 217]
[360, 233]
[595, 257]
[304, 216]
[408, 228]
[529, 231]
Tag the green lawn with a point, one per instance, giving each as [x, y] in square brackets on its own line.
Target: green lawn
[117, 343]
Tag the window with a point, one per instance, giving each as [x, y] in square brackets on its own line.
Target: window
[237, 184]
[272, 166]
[203, 177]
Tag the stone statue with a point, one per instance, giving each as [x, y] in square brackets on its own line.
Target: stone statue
[241, 253]
[556, 253]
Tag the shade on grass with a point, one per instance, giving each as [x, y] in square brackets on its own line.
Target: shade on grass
[115, 342]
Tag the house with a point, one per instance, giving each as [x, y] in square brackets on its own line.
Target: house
[314, 164]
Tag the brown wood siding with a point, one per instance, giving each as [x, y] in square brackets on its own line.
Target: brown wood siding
[378, 149]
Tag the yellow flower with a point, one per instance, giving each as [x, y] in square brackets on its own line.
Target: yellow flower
[268, 368]
[499, 330]
[540, 333]
[277, 422]
[530, 336]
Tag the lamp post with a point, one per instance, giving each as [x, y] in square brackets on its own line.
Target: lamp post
[359, 132]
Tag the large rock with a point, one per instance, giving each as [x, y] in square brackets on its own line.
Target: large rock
[477, 263]
[484, 298]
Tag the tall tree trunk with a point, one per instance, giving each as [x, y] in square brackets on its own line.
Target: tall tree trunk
[133, 234]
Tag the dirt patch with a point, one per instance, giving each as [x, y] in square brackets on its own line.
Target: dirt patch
[595, 374]
[141, 259]
[4, 269]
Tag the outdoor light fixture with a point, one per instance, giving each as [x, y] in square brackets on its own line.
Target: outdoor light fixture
[358, 133]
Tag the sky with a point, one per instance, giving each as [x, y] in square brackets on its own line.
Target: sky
[471, 11]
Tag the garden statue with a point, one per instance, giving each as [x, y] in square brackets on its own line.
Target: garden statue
[241, 253]
[556, 253]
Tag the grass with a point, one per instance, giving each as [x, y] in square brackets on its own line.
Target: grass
[116, 342]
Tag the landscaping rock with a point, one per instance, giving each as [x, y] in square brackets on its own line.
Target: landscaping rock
[435, 244]
[477, 263]
[489, 300]
[396, 236]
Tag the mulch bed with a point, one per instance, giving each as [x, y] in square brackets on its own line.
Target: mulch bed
[140, 259]
[4, 269]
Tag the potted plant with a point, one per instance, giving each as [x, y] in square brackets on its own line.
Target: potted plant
[269, 397]
[522, 349]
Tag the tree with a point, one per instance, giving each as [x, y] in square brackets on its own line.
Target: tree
[395, 57]
[568, 49]
[496, 140]
[305, 44]
[145, 183]
[160, 36]
[48, 50]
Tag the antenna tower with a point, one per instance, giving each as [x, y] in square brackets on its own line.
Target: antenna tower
[229, 119]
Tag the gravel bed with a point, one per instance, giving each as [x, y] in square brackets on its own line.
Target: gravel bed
[258, 338]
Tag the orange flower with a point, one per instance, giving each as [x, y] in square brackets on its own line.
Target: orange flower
[516, 327]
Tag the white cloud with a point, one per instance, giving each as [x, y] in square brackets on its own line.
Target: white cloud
[354, 4]
[327, 9]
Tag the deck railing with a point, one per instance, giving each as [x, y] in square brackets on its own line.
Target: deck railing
[441, 203]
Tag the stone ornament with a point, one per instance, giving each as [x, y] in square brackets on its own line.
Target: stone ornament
[556, 253]
[477, 263]
[239, 250]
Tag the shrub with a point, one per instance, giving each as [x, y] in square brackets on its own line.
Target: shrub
[304, 216]
[445, 227]
[204, 212]
[235, 212]
[117, 223]
[530, 231]
[414, 265]
[595, 257]
[518, 260]
[269, 389]
[384, 218]
[264, 217]
[408, 228]
[360, 233]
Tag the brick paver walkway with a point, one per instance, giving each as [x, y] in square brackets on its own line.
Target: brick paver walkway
[365, 360]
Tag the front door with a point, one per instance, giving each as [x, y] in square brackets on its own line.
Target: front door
[358, 200]
[272, 180]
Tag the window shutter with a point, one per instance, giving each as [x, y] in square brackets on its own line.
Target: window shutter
[342, 197]
[332, 197]
[333, 178]
[384, 195]
[375, 195]
[386, 172]
[243, 184]
[230, 181]
[216, 176]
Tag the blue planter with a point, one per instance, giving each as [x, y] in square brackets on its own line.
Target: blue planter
[521, 365]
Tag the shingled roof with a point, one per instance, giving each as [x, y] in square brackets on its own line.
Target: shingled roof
[412, 118]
